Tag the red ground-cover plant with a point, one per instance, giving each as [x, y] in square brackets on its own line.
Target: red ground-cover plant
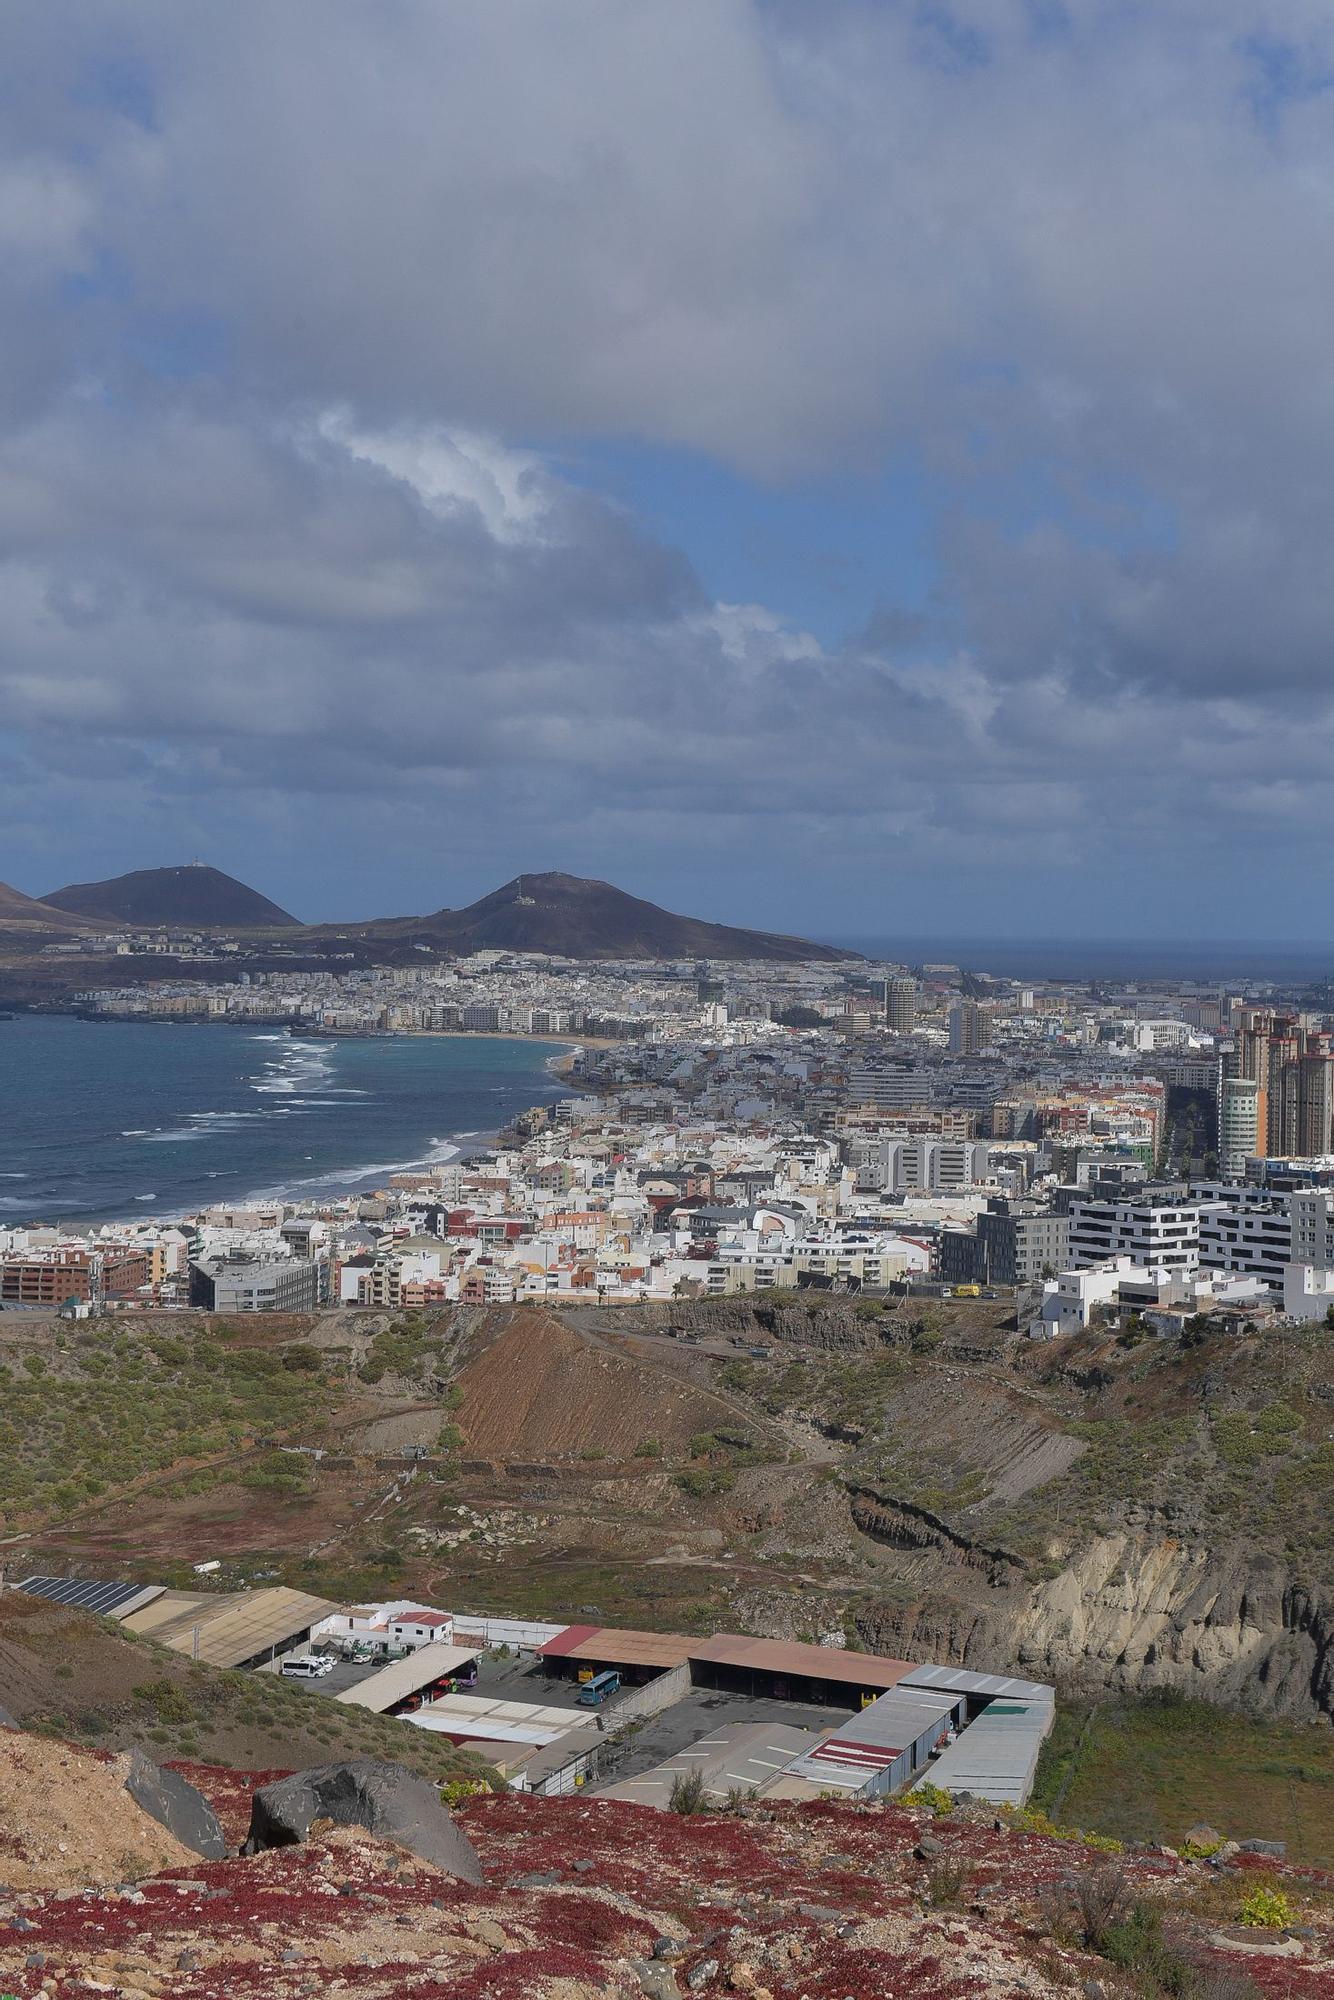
[734, 1884]
[228, 1792]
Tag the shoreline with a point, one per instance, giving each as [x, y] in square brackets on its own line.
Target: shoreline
[543, 1081]
[307, 1031]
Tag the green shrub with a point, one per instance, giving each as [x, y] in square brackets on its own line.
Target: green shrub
[1138, 1945]
[1265, 1908]
[301, 1359]
[1029, 1820]
[169, 1703]
[687, 1793]
[455, 1791]
[945, 1883]
[935, 1797]
[703, 1481]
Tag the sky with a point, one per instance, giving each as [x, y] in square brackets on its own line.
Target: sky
[847, 466]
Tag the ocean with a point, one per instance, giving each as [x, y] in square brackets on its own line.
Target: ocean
[108, 1119]
[1119, 960]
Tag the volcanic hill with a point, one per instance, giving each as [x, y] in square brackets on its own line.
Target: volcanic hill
[195, 897]
[572, 917]
[22, 913]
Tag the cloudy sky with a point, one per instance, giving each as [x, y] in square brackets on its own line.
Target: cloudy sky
[846, 465]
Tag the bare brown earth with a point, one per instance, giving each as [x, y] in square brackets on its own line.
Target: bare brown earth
[67, 1821]
[541, 1390]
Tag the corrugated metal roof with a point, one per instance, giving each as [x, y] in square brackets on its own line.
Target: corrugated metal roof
[996, 1757]
[174, 1611]
[821, 1663]
[232, 1629]
[900, 1715]
[736, 1756]
[520, 1722]
[564, 1642]
[402, 1678]
[608, 1645]
[873, 1740]
[989, 1685]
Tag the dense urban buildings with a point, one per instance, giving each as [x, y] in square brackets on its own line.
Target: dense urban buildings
[731, 1126]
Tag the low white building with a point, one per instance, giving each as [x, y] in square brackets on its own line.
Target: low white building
[1308, 1291]
[1068, 1300]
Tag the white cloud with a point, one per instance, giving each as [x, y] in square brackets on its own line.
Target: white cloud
[304, 305]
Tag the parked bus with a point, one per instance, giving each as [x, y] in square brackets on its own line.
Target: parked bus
[595, 1692]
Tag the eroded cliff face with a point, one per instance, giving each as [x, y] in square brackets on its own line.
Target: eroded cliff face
[1135, 1611]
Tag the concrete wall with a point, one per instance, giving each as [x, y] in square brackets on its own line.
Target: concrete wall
[651, 1699]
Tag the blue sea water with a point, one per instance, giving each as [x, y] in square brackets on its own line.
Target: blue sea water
[113, 1119]
[1118, 960]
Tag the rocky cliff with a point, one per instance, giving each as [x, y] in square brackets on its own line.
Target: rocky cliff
[1134, 1611]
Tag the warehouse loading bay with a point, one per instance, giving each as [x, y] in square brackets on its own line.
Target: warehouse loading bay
[620, 1713]
[629, 1715]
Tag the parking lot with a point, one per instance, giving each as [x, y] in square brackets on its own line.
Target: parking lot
[345, 1674]
[527, 1680]
[697, 1715]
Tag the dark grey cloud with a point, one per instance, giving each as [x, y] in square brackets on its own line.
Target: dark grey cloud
[302, 303]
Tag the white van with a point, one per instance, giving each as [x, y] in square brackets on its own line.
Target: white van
[307, 1669]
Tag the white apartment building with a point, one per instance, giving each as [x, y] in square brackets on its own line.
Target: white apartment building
[898, 1166]
[1308, 1291]
[749, 1262]
[1149, 1230]
[1152, 1035]
[1238, 1124]
[1311, 1211]
[1244, 1230]
[1068, 1300]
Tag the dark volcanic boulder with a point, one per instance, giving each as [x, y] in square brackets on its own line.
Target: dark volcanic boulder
[174, 1803]
[387, 1799]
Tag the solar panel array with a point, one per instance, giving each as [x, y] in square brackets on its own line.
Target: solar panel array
[86, 1593]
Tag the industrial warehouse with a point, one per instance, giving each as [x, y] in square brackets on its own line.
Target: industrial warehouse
[550, 1707]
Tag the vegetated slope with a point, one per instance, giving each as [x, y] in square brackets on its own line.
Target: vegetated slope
[572, 917]
[83, 1413]
[539, 1390]
[195, 897]
[1150, 1770]
[66, 1673]
[587, 1900]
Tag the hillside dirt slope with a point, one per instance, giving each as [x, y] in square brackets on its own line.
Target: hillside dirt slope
[66, 1820]
[194, 896]
[576, 917]
[24, 914]
[1131, 1514]
[540, 1390]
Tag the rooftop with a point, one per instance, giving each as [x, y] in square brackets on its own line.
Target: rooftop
[402, 1678]
[820, 1663]
[228, 1630]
